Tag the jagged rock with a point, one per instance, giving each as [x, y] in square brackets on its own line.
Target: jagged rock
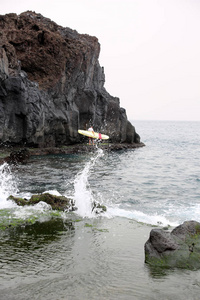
[3, 65]
[98, 208]
[57, 202]
[180, 248]
[18, 156]
[51, 85]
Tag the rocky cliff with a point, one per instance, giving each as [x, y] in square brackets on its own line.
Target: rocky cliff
[51, 85]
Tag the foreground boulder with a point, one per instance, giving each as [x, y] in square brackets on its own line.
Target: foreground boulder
[180, 248]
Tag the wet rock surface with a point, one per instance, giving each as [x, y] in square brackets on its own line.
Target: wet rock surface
[61, 203]
[180, 248]
[22, 155]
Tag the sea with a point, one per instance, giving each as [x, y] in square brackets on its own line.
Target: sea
[45, 254]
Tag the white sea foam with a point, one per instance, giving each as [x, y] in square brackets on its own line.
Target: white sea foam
[53, 192]
[83, 196]
[141, 217]
[8, 186]
[36, 210]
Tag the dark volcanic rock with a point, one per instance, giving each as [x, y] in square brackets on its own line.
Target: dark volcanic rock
[180, 248]
[18, 156]
[51, 85]
[22, 155]
[57, 202]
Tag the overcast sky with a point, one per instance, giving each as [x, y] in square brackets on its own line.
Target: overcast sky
[150, 50]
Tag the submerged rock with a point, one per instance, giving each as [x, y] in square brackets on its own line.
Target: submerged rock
[180, 248]
[57, 202]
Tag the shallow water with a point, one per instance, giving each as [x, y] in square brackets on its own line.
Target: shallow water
[83, 256]
[97, 259]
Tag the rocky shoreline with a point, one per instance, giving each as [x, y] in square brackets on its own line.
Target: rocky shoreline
[17, 154]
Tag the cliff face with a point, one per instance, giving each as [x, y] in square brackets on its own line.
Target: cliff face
[51, 85]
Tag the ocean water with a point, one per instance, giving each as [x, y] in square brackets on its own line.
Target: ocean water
[82, 255]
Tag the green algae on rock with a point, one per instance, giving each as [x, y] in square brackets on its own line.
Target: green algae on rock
[61, 203]
[180, 248]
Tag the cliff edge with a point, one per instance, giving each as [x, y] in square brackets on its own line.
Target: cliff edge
[51, 85]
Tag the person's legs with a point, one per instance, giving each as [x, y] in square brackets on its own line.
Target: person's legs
[91, 141]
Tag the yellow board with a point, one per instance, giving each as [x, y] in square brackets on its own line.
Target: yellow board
[94, 135]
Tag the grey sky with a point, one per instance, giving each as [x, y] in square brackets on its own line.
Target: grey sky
[150, 50]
